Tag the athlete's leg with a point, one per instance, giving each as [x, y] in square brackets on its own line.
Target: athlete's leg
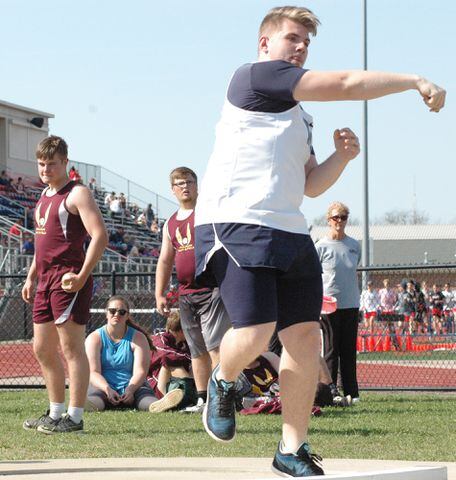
[45, 346]
[299, 366]
[202, 368]
[241, 346]
[72, 337]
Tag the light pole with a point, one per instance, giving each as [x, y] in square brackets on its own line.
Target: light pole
[365, 246]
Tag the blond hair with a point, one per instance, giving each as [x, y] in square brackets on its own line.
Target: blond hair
[50, 146]
[173, 323]
[181, 172]
[275, 17]
[339, 206]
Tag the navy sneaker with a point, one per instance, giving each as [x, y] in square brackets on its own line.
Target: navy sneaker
[219, 412]
[301, 464]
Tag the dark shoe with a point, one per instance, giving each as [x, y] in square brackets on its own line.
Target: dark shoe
[303, 464]
[243, 388]
[34, 423]
[63, 425]
[219, 412]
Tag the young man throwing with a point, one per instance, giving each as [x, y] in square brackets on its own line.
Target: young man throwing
[64, 215]
[251, 236]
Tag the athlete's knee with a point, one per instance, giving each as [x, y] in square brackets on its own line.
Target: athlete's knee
[45, 352]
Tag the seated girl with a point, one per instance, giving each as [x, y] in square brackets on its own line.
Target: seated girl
[118, 356]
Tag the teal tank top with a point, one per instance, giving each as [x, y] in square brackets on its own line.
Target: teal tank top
[117, 359]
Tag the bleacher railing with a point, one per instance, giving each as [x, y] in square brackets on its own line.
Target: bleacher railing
[110, 181]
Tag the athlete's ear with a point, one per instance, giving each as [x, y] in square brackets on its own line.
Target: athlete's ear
[263, 44]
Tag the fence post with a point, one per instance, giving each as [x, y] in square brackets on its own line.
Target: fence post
[113, 282]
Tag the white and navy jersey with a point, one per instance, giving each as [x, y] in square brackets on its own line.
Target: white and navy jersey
[256, 174]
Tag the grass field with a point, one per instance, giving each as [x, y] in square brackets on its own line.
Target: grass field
[392, 426]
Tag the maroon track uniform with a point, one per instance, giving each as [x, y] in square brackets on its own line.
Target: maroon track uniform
[262, 376]
[169, 354]
[59, 240]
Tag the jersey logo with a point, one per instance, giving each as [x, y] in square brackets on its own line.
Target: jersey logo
[41, 221]
[185, 243]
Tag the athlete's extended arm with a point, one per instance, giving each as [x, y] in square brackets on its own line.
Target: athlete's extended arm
[163, 271]
[81, 201]
[29, 285]
[320, 177]
[364, 85]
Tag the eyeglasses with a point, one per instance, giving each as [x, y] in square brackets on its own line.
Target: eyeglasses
[184, 183]
[339, 218]
[120, 311]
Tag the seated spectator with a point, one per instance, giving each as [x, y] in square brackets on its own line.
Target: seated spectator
[19, 186]
[134, 251]
[28, 247]
[93, 185]
[123, 201]
[170, 363]
[119, 354]
[109, 198]
[5, 179]
[16, 229]
[141, 219]
[115, 207]
[74, 175]
[154, 228]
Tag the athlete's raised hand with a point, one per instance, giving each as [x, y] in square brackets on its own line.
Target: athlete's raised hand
[433, 95]
[346, 143]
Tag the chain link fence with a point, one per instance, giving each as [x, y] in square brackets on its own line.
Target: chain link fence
[411, 345]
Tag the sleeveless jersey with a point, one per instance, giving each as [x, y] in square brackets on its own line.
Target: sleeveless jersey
[262, 376]
[59, 239]
[117, 359]
[182, 236]
[256, 174]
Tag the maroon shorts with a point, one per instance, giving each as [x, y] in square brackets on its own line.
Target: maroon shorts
[370, 315]
[59, 306]
[437, 312]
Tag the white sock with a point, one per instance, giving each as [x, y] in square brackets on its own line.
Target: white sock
[56, 410]
[284, 449]
[75, 413]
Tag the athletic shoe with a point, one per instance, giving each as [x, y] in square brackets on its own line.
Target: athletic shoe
[355, 400]
[169, 401]
[63, 425]
[198, 408]
[301, 464]
[219, 412]
[34, 423]
[340, 401]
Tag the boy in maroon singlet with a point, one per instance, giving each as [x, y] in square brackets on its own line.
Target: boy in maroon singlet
[64, 215]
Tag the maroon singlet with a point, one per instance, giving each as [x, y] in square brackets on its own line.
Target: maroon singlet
[182, 236]
[59, 239]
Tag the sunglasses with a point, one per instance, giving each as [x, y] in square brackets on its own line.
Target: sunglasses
[120, 311]
[339, 218]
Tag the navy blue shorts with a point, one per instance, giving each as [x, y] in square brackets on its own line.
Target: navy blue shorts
[254, 295]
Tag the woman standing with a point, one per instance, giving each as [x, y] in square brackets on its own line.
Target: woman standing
[339, 255]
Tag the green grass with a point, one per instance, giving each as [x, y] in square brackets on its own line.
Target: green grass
[383, 426]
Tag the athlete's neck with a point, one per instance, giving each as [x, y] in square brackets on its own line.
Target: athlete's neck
[116, 332]
[335, 235]
[54, 187]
